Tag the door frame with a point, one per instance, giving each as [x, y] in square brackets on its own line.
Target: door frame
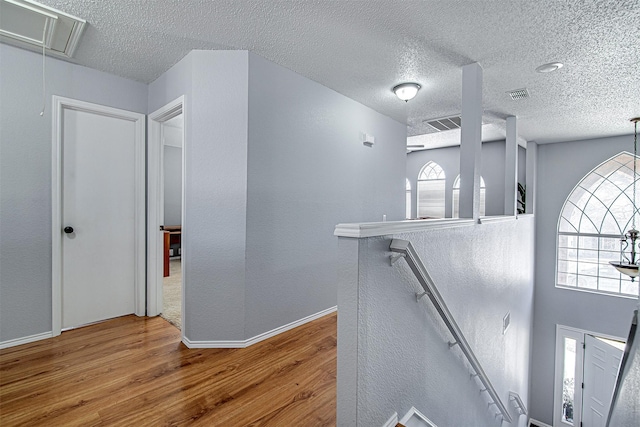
[155, 204]
[59, 105]
[563, 332]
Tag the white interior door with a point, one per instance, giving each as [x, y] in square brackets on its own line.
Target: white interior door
[101, 226]
[601, 363]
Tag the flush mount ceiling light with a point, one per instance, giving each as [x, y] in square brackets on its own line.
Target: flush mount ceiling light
[406, 91]
[550, 67]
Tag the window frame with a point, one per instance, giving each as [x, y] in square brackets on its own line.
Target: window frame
[455, 207]
[599, 251]
[441, 178]
[408, 199]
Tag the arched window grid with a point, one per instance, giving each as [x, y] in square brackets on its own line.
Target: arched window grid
[430, 192]
[590, 226]
[455, 200]
[431, 171]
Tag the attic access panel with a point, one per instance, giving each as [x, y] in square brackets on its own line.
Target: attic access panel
[31, 25]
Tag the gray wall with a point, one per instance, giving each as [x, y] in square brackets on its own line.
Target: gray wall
[215, 148]
[560, 167]
[172, 185]
[25, 176]
[273, 162]
[401, 357]
[308, 171]
[492, 170]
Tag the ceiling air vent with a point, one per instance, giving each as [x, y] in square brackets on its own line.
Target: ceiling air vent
[518, 94]
[445, 123]
[31, 25]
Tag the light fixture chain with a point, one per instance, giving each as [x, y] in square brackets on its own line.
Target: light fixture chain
[635, 156]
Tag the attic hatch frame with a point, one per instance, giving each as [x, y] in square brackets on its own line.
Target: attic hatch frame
[60, 34]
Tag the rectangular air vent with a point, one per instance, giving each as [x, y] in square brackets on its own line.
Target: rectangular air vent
[31, 25]
[445, 123]
[519, 94]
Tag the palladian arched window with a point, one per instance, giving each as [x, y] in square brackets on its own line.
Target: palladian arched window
[596, 214]
[456, 197]
[431, 180]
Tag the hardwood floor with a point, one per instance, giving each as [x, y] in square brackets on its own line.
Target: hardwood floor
[134, 371]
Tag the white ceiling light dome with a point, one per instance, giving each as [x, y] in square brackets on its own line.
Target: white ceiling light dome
[406, 91]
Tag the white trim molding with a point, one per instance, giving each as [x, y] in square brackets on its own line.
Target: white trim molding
[499, 218]
[415, 414]
[25, 340]
[391, 422]
[261, 337]
[155, 204]
[59, 105]
[373, 229]
[537, 423]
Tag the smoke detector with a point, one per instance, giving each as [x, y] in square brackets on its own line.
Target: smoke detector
[28, 24]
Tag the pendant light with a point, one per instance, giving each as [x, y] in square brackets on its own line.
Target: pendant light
[628, 264]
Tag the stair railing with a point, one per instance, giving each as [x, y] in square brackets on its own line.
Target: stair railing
[404, 249]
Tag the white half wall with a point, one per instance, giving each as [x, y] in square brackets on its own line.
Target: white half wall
[393, 351]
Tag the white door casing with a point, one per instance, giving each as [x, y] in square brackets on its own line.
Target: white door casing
[601, 363]
[562, 333]
[581, 374]
[155, 205]
[97, 188]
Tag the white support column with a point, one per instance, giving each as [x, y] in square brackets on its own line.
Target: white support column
[511, 168]
[471, 141]
[532, 167]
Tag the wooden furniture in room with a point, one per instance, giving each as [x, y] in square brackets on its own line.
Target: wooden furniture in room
[166, 253]
[172, 236]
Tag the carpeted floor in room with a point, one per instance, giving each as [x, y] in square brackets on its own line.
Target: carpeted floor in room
[172, 294]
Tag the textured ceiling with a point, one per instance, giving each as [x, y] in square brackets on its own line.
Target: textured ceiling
[363, 48]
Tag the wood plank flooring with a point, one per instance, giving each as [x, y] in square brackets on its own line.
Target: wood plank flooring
[134, 371]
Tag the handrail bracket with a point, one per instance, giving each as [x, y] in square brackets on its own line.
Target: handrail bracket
[404, 249]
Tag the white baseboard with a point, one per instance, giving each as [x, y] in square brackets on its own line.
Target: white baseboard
[263, 336]
[538, 423]
[25, 340]
[414, 414]
[391, 422]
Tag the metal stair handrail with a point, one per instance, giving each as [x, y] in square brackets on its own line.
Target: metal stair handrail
[406, 250]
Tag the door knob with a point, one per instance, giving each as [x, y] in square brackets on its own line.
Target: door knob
[68, 230]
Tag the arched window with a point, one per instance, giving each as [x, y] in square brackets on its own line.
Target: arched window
[456, 197]
[431, 181]
[408, 200]
[596, 214]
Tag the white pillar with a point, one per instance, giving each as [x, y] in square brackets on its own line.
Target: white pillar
[471, 141]
[511, 168]
[532, 167]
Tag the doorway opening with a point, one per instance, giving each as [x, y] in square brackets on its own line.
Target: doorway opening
[586, 368]
[172, 138]
[166, 213]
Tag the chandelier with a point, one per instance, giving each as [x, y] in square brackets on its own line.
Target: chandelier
[629, 261]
